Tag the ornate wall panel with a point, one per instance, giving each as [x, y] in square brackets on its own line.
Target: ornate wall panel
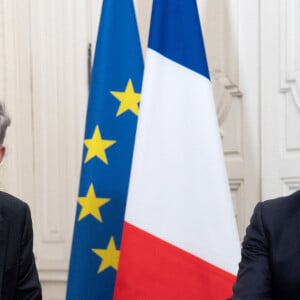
[289, 48]
[280, 97]
[229, 110]
[59, 95]
[290, 75]
[17, 171]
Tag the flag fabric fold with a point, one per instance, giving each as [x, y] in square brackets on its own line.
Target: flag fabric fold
[180, 239]
[113, 107]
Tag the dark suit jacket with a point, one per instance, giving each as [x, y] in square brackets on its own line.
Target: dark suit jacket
[270, 264]
[18, 274]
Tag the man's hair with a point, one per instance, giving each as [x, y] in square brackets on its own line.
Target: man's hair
[4, 122]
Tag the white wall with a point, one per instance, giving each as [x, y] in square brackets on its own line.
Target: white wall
[280, 97]
[252, 49]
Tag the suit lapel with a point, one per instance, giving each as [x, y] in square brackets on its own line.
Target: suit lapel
[4, 229]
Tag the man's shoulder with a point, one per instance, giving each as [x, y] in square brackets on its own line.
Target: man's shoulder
[281, 207]
[284, 201]
[11, 205]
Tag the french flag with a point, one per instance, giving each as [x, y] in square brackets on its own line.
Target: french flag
[180, 239]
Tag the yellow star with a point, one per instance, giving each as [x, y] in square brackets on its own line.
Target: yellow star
[90, 204]
[129, 99]
[97, 146]
[109, 256]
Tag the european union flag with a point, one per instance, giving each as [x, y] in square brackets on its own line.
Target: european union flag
[112, 113]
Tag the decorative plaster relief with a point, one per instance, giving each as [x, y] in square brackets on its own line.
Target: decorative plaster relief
[224, 93]
[229, 111]
[237, 194]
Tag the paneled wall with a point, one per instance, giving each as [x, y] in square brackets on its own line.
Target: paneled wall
[252, 49]
[44, 82]
[280, 86]
[59, 38]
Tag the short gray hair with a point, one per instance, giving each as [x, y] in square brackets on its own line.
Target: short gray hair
[4, 122]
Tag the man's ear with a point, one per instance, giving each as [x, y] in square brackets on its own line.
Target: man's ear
[2, 152]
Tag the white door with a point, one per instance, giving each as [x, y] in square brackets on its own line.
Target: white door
[280, 97]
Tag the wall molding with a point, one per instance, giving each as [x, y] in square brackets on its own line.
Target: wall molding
[290, 185]
[225, 91]
[238, 198]
[289, 49]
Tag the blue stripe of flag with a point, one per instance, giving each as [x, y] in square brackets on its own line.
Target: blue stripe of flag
[174, 20]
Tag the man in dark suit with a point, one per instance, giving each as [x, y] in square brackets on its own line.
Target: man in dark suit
[270, 264]
[18, 275]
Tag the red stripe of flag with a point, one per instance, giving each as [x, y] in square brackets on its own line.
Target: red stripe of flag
[151, 269]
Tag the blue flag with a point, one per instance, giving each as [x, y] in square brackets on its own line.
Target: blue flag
[112, 113]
